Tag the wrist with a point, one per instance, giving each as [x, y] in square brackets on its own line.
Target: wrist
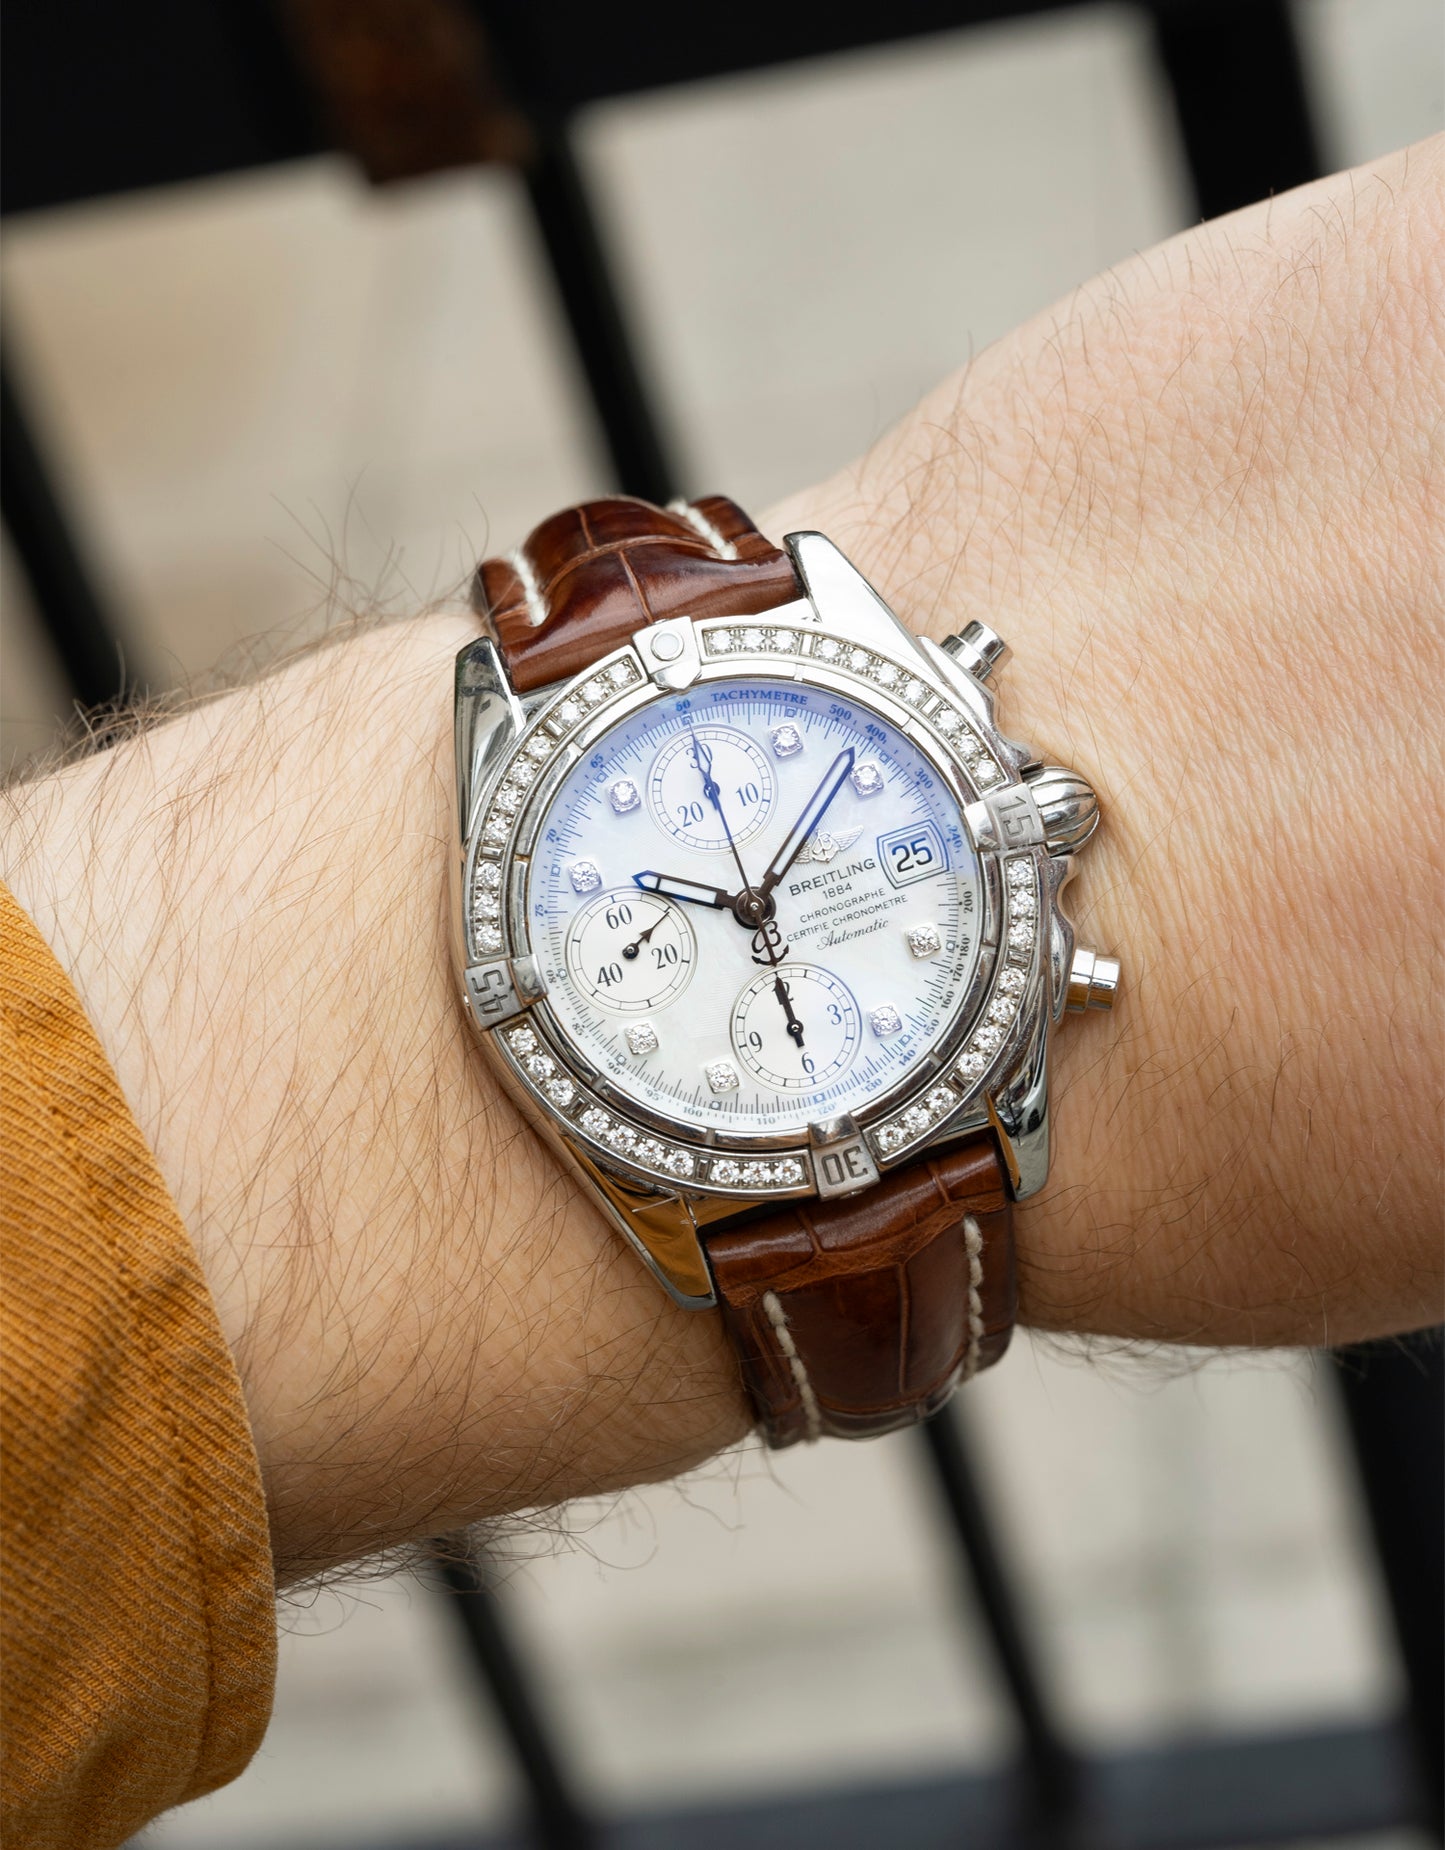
[430, 1325]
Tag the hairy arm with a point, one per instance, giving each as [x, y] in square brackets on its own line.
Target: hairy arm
[1197, 498]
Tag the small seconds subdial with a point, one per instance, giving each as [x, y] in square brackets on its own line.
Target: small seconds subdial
[799, 1038]
[746, 787]
[630, 951]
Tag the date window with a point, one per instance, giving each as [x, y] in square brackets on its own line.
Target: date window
[912, 853]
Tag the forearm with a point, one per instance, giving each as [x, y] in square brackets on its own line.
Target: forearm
[1195, 501]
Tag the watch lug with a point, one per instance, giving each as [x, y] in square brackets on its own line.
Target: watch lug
[842, 598]
[488, 720]
[658, 1226]
[1019, 1111]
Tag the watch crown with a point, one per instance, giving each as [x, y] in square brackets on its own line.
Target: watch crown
[1067, 804]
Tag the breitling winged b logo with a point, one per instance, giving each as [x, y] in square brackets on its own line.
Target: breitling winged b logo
[824, 846]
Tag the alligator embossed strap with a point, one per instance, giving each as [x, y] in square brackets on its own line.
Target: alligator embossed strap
[591, 576]
[856, 1317]
[850, 1317]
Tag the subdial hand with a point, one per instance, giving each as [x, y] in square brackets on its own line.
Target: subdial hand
[795, 1027]
[631, 950]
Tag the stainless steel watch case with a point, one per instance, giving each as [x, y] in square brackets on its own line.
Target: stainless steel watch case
[659, 1182]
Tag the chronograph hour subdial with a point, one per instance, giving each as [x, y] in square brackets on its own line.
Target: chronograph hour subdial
[630, 951]
[745, 783]
[799, 1036]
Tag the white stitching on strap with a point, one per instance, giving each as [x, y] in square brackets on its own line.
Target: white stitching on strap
[973, 1246]
[703, 528]
[531, 590]
[778, 1317]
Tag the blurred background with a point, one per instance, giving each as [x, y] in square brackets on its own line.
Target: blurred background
[614, 248]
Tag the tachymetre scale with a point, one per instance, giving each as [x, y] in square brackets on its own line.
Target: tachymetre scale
[629, 951]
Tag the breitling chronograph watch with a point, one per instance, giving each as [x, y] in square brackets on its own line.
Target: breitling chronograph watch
[758, 915]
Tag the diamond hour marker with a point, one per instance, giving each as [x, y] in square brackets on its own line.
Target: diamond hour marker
[885, 1021]
[722, 1075]
[584, 876]
[924, 941]
[787, 741]
[641, 1038]
[866, 778]
[624, 795]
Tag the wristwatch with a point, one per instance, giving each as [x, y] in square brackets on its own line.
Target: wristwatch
[757, 912]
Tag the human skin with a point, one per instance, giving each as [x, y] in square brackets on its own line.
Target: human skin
[1200, 499]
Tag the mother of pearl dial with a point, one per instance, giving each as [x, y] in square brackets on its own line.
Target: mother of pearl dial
[693, 1014]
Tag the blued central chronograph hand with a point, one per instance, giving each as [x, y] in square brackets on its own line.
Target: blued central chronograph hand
[702, 758]
[752, 905]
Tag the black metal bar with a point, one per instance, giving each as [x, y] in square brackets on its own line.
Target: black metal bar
[1199, 1795]
[84, 636]
[1051, 1768]
[580, 268]
[558, 1819]
[1239, 92]
[1394, 1402]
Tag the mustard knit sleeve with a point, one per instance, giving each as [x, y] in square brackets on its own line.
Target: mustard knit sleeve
[136, 1608]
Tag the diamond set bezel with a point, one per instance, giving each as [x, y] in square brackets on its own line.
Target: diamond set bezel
[947, 1088]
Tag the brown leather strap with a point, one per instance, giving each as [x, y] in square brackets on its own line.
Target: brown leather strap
[849, 1317]
[588, 578]
[857, 1317]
